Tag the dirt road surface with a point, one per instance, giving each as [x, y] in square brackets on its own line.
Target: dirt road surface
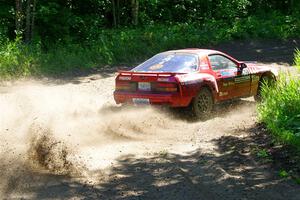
[66, 139]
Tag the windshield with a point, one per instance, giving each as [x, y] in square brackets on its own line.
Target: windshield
[166, 62]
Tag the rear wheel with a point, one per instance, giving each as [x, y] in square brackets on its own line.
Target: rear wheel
[202, 104]
[264, 81]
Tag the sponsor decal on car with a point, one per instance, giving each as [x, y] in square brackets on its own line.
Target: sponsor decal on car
[242, 79]
[255, 78]
[163, 79]
[228, 84]
[221, 94]
[125, 78]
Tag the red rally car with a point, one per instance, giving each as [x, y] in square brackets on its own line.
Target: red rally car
[195, 78]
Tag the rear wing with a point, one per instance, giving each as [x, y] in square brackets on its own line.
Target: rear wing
[132, 73]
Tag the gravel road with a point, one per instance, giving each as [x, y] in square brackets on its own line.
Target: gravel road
[66, 139]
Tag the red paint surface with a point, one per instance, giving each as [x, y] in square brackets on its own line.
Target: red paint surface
[224, 84]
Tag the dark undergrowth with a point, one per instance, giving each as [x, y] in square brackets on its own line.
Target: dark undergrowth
[268, 149]
[128, 46]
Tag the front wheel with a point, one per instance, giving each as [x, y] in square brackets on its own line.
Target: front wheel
[202, 104]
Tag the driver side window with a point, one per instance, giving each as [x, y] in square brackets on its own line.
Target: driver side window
[219, 62]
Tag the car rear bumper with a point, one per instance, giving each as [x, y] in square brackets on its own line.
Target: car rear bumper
[173, 100]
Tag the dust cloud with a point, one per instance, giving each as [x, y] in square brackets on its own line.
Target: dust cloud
[72, 128]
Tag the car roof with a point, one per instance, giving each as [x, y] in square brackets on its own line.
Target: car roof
[200, 52]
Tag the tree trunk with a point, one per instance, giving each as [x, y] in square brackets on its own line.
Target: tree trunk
[118, 12]
[114, 12]
[19, 17]
[28, 21]
[294, 5]
[32, 19]
[135, 11]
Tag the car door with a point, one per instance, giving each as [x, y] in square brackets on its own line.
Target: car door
[225, 71]
[242, 83]
[231, 81]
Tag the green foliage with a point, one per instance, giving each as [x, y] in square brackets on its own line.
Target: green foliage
[16, 59]
[273, 25]
[47, 14]
[57, 20]
[132, 45]
[280, 109]
[263, 153]
[76, 35]
[297, 59]
[232, 8]
[283, 174]
[6, 18]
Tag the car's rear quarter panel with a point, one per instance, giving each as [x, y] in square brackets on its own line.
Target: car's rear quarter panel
[257, 72]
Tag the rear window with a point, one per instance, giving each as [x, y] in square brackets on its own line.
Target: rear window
[166, 62]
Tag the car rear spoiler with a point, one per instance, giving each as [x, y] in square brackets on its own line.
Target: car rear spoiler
[149, 73]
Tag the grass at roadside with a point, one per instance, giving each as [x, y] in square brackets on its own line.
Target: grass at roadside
[280, 110]
[128, 45]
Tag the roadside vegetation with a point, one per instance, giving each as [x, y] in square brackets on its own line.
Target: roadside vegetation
[57, 37]
[280, 109]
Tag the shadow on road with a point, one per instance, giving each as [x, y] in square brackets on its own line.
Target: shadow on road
[266, 51]
[234, 172]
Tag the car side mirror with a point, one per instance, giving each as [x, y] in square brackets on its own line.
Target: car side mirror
[242, 66]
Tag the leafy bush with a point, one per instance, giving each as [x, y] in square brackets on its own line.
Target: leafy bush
[280, 109]
[16, 59]
[132, 45]
[297, 59]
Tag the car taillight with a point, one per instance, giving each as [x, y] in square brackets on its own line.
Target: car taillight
[165, 87]
[125, 86]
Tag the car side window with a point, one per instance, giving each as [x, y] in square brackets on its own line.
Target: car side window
[219, 62]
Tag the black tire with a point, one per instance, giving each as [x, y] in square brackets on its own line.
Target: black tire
[265, 80]
[202, 104]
